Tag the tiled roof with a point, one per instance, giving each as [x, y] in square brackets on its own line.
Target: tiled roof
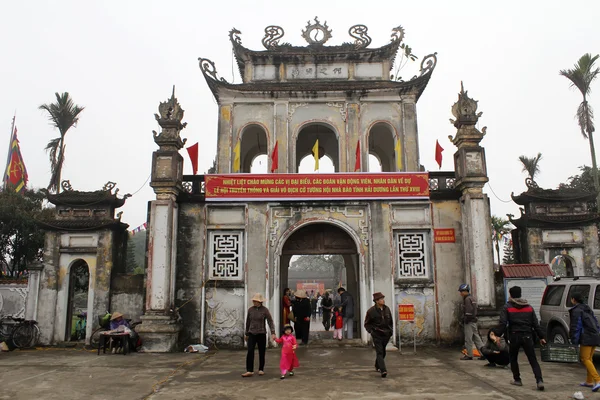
[526, 271]
[81, 225]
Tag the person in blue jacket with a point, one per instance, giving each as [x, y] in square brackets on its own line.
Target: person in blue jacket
[584, 332]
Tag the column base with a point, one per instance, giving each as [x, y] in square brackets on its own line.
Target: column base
[159, 333]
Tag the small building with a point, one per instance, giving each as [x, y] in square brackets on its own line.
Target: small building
[558, 227]
[83, 267]
[532, 278]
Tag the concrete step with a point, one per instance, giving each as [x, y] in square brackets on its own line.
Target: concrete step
[317, 342]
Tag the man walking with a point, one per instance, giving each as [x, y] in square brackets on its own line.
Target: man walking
[379, 323]
[470, 321]
[256, 334]
[519, 319]
[347, 312]
[327, 304]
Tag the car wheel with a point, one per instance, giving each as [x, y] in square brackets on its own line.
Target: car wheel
[558, 335]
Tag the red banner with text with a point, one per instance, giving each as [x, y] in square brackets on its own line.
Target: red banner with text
[340, 186]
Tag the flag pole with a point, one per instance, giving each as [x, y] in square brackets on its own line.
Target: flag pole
[12, 131]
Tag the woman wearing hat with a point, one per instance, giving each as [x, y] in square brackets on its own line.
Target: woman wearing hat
[117, 321]
[256, 334]
[379, 323]
[302, 311]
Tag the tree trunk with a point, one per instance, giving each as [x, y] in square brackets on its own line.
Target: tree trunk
[498, 251]
[59, 164]
[594, 168]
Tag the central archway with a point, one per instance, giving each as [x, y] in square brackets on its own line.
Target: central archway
[329, 244]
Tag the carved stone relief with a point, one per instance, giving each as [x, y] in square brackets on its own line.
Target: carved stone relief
[292, 109]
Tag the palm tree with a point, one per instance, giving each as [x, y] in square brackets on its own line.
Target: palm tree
[531, 165]
[500, 227]
[581, 76]
[63, 115]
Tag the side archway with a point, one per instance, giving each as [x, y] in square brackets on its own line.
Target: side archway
[253, 149]
[382, 144]
[328, 143]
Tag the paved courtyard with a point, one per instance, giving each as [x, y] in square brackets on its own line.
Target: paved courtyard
[325, 373]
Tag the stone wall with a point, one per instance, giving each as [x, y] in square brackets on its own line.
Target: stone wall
[13, 299]
[127, 295]
[213, 310]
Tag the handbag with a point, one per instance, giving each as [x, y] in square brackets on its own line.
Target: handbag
[291, 316]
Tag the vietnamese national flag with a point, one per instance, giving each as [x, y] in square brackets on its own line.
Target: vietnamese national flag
[275, 157]
[15, 174]
[357, 162]
[438, 153]
[193, 153]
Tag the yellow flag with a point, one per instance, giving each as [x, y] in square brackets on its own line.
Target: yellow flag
[315, 151]
[398, 155]
[236, 157]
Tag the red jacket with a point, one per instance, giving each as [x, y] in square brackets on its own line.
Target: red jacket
[339, 320]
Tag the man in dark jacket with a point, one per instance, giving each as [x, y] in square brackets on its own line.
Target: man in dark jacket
[470, 322]
[584, 332]
[302, 311]
[379, 323]
[347, 312]
[519, 319]
[327, 304]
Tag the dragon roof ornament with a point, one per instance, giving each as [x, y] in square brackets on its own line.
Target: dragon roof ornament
[317, 34]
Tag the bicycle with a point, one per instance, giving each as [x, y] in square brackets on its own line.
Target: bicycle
[21, 332]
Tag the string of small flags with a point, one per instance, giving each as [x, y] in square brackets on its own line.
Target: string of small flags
[140, 228]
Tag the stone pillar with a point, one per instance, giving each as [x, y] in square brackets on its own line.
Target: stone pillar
[280, 134]
[411, 140]
[160, 327]
[225, 140]
[354, 134]
[471, 176]
[33, 290]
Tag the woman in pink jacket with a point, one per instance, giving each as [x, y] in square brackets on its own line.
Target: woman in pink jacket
[289, 361]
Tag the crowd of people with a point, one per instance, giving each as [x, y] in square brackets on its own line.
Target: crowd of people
[300, 308]
[518, 327]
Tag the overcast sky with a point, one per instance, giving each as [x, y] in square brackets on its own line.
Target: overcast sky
[119, 59]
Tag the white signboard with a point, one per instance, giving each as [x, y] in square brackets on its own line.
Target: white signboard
[532, 290]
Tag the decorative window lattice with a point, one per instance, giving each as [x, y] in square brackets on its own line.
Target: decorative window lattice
[412, 256]
[225, 255]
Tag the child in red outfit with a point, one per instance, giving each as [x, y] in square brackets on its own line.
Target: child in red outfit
[289, 361]
[338, 324]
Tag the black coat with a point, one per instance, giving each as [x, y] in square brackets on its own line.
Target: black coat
[348, 304]
[519, 317]
[379, 322]
[584, 326]
[301, 308]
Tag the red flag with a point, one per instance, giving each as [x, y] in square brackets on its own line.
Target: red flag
[193, 153]
[438, 153]
[357, 162]
[275, 157]
[15, 174]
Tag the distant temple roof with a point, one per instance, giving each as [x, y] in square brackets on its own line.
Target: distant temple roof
[552, 195]
[70, 197]
[554, 208]
[279, 56]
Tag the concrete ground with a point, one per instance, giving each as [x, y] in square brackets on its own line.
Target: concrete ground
[325, 373]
